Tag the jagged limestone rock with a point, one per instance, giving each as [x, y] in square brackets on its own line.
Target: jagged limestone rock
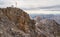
[14, 22]
[49, 28]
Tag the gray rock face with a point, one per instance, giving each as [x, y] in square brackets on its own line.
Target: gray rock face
[49, 28]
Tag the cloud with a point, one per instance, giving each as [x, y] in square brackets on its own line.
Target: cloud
[38, 3]
[6, 3]
[31, 4]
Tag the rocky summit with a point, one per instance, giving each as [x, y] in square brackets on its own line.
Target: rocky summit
[15, 22]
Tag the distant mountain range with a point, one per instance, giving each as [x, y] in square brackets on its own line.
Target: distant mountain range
[48, 16]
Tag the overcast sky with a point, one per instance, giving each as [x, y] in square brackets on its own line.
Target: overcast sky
[30, 4]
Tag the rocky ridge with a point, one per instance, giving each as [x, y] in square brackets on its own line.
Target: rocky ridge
[15, 22]
[48, 27]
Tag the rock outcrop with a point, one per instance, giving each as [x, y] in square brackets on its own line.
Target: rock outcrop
[14, 22]
[49, 28]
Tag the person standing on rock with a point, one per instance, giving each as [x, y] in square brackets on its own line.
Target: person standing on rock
[14, 5]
